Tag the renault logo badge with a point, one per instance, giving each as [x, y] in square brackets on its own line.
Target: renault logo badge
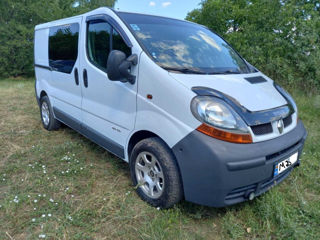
[280, 126]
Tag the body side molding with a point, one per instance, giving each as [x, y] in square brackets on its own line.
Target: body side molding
[90, 133]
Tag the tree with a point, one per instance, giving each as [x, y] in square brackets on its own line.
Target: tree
[17, 21]
[280, 37]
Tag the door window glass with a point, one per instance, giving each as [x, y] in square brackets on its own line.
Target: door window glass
[99, 43]
[63, 47]
[119, 44]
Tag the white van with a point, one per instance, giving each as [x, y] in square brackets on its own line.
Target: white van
[193, 119]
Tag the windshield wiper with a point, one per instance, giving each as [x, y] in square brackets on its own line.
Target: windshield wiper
[184, 70]
[226, 72]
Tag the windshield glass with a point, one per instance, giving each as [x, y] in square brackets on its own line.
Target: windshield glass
[183, 46]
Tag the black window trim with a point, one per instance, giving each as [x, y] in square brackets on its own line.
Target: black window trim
[55, 69]
[114, 26]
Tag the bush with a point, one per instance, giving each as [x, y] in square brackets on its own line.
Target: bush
[281, 38]
[17, 21]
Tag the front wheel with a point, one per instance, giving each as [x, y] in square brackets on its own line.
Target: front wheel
[155, 173]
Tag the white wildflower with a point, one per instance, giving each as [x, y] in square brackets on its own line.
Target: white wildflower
[42, 236]
[33, 219]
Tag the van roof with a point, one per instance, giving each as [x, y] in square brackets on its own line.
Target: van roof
[96, 11]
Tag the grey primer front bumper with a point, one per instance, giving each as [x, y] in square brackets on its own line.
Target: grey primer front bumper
[217, 173]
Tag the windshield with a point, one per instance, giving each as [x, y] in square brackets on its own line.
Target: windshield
[183, 46]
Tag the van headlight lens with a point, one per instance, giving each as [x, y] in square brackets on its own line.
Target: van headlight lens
[217, 113]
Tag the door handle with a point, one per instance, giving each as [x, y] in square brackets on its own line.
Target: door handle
[85, 78]
[76, 76]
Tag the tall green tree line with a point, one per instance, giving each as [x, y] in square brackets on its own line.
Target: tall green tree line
[280, 37]
[17, 21]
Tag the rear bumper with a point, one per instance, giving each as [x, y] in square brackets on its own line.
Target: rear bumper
[217, 173]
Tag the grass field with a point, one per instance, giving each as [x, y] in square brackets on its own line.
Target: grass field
[59, 185]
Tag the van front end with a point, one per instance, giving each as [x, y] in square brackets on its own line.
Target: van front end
[222, 166]
[218, 173]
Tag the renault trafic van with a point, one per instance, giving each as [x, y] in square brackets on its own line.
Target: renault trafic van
[193, 119]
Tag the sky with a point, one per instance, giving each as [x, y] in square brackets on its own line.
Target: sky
[168, 8]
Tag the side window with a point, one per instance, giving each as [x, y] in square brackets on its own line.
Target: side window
[63, 47]
[119, 44]
[102, 38]
[99, 45]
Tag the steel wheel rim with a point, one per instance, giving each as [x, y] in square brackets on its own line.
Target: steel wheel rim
[149, 175]
[45, 113]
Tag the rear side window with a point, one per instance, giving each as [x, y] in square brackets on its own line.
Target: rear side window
[102, 38]
[63, 47]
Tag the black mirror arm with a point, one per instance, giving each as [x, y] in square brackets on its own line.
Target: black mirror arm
[126, 65]
[133, 59]
[124, 70]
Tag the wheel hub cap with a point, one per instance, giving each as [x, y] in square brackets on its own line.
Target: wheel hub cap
[149, 174]
[45, 113]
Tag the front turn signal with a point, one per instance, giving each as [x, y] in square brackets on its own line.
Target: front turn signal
[223, 135]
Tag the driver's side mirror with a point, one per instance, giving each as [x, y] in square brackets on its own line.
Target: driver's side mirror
[118, 66]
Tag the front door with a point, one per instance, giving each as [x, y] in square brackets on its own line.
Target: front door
[108, 107]
[64, 61]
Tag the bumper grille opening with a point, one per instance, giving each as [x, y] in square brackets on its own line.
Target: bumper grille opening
[274, 155]
[259, 188]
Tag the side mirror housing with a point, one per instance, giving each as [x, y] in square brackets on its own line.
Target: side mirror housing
[118, 66]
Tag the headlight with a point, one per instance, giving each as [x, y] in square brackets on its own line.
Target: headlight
[217, 113]
[220, 120]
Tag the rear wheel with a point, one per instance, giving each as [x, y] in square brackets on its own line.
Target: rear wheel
[155, 173]
[47, 117]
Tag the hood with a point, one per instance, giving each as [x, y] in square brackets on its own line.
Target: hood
[253, 95]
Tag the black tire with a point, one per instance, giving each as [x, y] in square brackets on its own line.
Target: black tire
[172, 191]
[52, 124]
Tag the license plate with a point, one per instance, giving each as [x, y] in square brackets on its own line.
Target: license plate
[285, 164]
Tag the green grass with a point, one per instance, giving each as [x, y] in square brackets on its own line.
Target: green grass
[83, 192]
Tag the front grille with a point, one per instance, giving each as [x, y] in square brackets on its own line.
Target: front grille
[287, 121]
[262, 129]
